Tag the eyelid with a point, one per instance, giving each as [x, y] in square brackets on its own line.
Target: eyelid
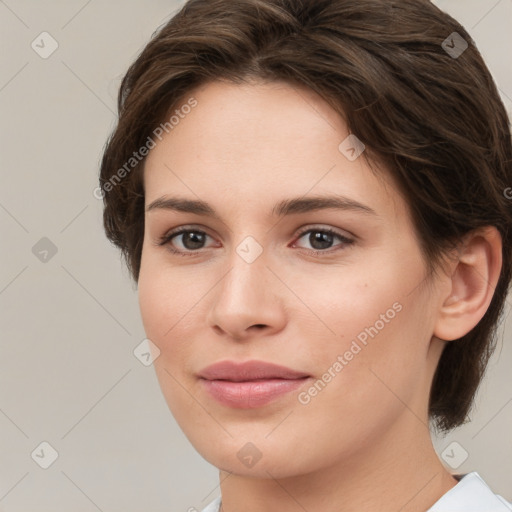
[342, 233]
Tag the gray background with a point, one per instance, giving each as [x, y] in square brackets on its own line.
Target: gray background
[69, 325]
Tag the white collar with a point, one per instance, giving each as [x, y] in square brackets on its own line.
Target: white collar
[471, 494]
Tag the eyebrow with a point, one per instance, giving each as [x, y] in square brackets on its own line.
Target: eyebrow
[285, 207]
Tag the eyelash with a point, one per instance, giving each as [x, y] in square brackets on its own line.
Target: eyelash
[165, 239]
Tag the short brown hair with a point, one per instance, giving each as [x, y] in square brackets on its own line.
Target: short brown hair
[434, 119]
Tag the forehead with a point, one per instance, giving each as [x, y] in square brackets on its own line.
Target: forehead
[246, 145]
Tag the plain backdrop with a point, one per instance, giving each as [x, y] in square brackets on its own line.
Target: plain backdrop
[69, 313]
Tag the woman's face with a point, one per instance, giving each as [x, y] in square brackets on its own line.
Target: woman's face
[266, 272]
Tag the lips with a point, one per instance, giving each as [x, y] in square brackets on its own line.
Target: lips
[250, 384]
[248, 371]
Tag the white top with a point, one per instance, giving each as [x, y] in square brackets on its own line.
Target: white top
[471, 494]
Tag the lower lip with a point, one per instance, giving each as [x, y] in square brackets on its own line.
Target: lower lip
[250, 394]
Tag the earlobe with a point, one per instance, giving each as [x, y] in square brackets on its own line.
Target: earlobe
[473, 281]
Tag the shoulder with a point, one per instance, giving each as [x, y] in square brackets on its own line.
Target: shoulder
[471, 494]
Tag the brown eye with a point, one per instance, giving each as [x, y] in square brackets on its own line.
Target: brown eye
[322, 239]
[191, 240]
[185, 239]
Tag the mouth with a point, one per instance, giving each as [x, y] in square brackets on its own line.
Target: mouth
[250, 384]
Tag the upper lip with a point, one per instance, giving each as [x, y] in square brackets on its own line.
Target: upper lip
[248, 370]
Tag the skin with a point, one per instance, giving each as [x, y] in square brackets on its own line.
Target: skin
[362, 443]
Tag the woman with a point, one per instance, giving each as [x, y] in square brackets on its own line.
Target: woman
[310, 196]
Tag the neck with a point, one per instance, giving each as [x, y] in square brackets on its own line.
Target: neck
[396, 472]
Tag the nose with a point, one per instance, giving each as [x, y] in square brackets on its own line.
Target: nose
[248, 300]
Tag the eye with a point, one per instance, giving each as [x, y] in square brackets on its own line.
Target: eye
[321, 239]
[190, 239]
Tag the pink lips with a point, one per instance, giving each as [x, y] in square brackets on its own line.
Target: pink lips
[251, 384]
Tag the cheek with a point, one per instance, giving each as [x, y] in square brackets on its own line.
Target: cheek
[164, 315]
[351, 306]
[362, 387]
[171, 302]
[379, 339]
[165, 296]
[152, 303]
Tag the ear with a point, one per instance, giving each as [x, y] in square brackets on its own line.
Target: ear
[475, 274]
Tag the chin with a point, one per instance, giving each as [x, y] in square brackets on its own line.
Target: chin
[259, 459]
